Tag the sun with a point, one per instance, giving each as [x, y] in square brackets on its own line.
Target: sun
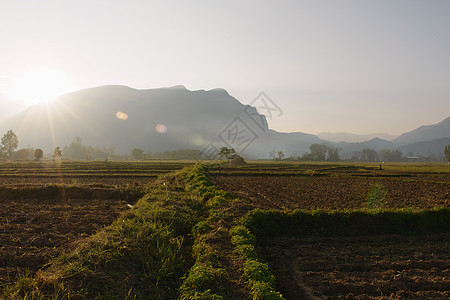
[38, 85]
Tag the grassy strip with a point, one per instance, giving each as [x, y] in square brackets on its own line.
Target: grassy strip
[348, 223]
[142, 254]
[203, 281]
[204, 278]
[260, 280]
[377, 197]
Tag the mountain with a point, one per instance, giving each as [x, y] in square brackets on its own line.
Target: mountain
[425, 133]
[348, 150]
[351, 137]
[379, 144]
[155, 120]
[9, 107]
[427, 148]
[173, 118]
[423, 141]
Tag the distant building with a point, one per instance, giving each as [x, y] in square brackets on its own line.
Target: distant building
[412, 158]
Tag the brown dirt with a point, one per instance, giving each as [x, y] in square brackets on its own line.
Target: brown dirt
[34, 230]
[46, 207]
[382, 267]
[330, 193]
[76, 180]
[237, 162]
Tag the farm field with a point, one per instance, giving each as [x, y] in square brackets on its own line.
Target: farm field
[375, 267]
[362, 267]
[110, 174]
[46, 207]
[266, 230]
[336, 187]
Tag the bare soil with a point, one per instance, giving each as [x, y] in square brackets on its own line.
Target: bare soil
[381, 267]
[46, 207]
[34, 230]
[332, 193]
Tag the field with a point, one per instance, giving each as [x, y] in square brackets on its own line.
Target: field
[45, 207]
[328, 187]
[266, 230]
[364, 267]
[388, 266]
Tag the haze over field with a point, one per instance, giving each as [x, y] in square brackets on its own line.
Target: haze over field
[331, 66]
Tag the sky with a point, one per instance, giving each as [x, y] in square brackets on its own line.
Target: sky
[331, 66]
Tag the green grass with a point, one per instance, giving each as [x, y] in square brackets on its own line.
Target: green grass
[377, 197]
[347, 223]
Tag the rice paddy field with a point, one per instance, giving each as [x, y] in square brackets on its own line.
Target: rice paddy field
[265, 230]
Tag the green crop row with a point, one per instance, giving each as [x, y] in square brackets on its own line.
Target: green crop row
[201, 282]
[347, 223]
[256, 273]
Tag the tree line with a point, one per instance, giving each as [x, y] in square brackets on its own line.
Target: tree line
[318, 152]
[324, 152]
[77, 150]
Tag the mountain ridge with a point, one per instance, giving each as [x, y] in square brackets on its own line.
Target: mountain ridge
[192, 119]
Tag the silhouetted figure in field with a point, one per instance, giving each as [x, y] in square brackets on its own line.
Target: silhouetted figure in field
[381, 168]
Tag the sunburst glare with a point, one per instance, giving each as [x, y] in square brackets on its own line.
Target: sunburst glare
[38, 85]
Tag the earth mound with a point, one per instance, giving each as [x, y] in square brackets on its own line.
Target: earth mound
[237, 161]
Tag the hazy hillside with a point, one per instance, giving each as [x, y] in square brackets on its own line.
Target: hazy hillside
[348, 149]
[425, 133]
[435, 147]
[157, 120]
[352, 138]
[9, 107]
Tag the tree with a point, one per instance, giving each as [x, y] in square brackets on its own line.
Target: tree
[57, 153]
[9, 143]
[38, 153]
[333, 154]
[137, 153]
[109, 151]
[318, 152]
[277, 155]
[322, 152]
[391, 155]
[396, 155]
[447, 153]
[76, 149]
[280, 155]
[385, 154]
[229, 153]
[369, 155]
[22, 154]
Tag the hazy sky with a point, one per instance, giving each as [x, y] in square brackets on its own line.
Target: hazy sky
[356, 66]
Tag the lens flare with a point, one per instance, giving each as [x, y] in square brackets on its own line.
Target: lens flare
[121, 115]
[161, 128]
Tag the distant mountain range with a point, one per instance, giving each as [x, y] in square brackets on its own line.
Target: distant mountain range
[173, 118]
[425, 133]
[338, 137]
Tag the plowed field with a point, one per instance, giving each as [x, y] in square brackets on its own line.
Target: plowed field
[331, 193]
[44, 208]
[357, 267]
[34, 230]
[381, 267]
